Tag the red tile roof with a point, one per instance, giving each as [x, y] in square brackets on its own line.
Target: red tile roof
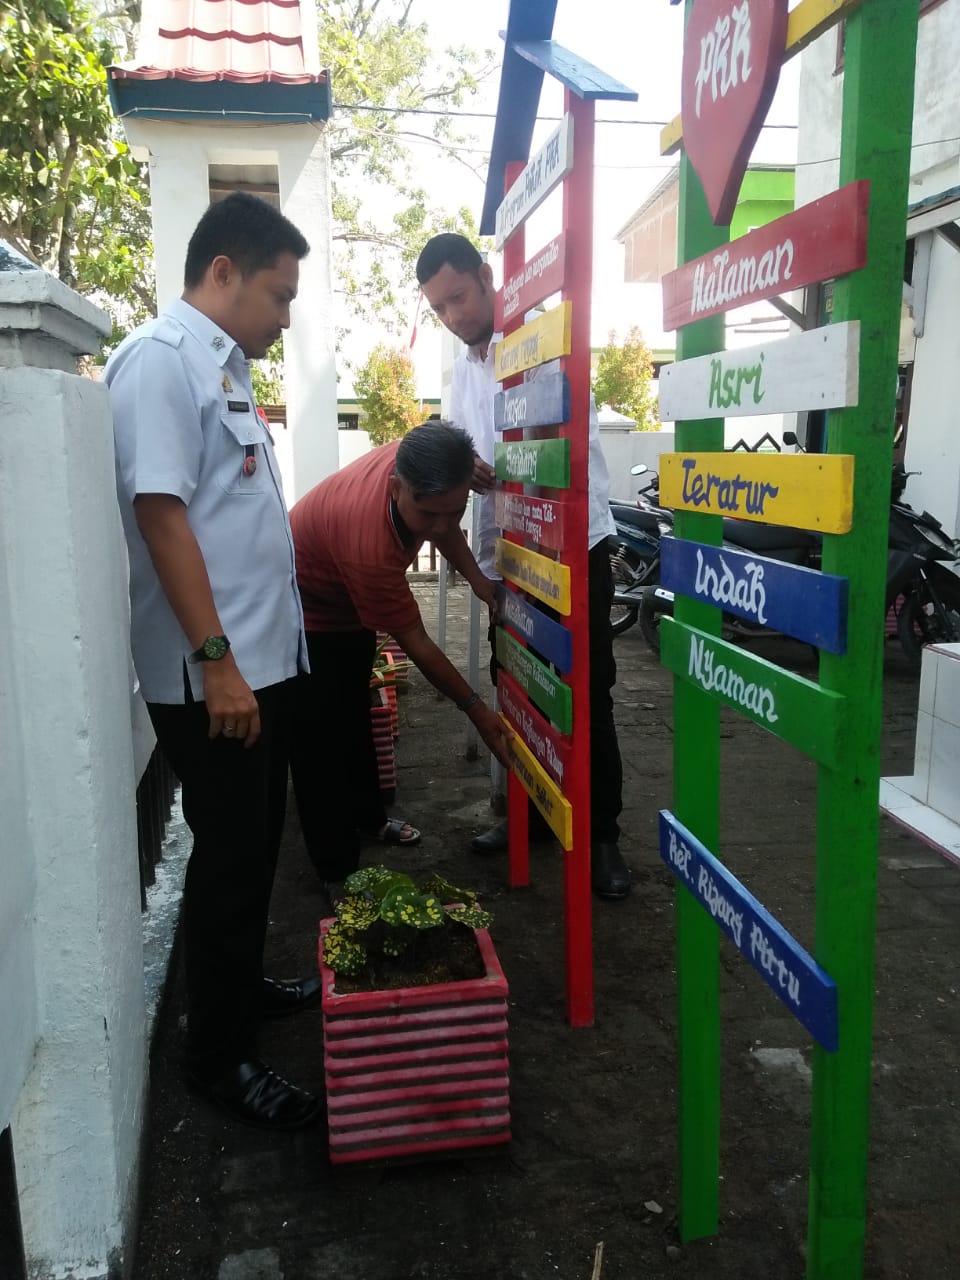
[247, 41]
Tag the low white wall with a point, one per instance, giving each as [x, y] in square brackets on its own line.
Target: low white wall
[624, 449]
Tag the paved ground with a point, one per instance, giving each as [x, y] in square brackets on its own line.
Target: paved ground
[594, 1151]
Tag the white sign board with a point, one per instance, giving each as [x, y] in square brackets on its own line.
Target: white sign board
[540, 175]
[819, 369]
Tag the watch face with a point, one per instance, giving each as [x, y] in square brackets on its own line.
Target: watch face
[214, 647]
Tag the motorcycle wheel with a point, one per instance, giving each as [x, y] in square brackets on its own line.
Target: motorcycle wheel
[919, 622]
[623, 568]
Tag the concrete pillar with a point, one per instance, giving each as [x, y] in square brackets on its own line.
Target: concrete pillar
[65, 683]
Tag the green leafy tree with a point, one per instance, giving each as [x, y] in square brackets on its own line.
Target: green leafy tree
[622, 379]
[390, 95]
[386, 392]
[71, 196]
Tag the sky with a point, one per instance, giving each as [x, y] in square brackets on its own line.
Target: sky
[639, 42]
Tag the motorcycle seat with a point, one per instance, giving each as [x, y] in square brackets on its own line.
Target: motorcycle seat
[636, 517]
[767, 537]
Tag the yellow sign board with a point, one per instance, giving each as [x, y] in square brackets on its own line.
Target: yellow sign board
[535, 343]
[544, 578]
[542, 790]
[806, 490]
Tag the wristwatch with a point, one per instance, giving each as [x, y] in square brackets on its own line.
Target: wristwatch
[212, 650]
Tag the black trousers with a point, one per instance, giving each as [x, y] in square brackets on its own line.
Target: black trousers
[333, 761]
[606, 767]
[234, 801]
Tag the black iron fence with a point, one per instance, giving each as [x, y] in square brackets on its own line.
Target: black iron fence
[12, 1263]
[154, 800]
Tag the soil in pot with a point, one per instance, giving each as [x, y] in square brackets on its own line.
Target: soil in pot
[439, 955]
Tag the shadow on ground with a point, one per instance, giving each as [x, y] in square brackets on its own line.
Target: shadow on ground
[593, 1158]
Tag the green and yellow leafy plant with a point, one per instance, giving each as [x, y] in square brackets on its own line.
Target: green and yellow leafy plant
[382, 914]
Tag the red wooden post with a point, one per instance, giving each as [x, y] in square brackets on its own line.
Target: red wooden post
[578, 227]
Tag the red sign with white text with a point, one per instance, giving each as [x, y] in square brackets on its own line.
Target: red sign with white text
[540, 519]
[817, 242]
[732, 51]
[537, 279]
[549, 746]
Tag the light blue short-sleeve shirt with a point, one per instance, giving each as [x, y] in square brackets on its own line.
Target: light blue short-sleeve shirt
[185, 424]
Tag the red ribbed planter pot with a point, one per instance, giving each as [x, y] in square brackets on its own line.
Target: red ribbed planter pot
[417, 1070]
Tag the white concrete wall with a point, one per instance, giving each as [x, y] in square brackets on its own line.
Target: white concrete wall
[180, 155]
[933, 442]
[69, 818]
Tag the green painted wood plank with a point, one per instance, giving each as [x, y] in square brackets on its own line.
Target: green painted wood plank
[543, 462]
[541, 685]
[878, 97]
[792, 708]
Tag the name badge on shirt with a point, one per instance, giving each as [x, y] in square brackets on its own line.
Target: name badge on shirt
[238, 406]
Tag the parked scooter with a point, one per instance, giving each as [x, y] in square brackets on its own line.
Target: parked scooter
[923, 592]
[635, 549]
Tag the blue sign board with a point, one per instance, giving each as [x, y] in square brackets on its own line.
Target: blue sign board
[791, 973]
[543, 402]
[801, 602]
[545, 637]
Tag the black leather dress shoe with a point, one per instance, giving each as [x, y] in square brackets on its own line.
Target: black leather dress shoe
[281, 998]
[609, 874]
[255, 1095]
[496, 840]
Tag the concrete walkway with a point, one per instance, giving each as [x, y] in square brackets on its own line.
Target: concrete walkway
[593, 1158]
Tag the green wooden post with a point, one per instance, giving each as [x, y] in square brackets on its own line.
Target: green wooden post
[696, 789]
[879, 63]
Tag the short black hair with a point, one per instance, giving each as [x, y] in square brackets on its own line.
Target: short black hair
[435, 458]
[246, 229]
[447, 249]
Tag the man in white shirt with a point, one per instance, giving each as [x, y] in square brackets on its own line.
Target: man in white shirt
[216, 625]
[458, 285]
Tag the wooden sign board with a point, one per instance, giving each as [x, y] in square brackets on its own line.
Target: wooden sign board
[551, 640]
[543, 403]
[545, 338]
[803, 603]
[547, 690]
[806, 491]
[543, 462]
[819, 369]
[543, 791]
[794, 709]
[820, 241]
[547, 579]
[537, 279]
[541, 519]
[550, 747]
[540, 175]
[788, 970]
[731, 63]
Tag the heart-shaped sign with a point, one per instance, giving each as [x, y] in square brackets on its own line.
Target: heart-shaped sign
[732, 52]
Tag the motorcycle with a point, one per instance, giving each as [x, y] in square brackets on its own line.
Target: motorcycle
[922, 592]
[635, 549]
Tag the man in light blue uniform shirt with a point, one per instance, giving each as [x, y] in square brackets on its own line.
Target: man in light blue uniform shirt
[216, 625]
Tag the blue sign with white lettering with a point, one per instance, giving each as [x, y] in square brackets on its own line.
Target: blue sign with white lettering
[790, 972]
[801, 602]
[544, 402]
[549, 639]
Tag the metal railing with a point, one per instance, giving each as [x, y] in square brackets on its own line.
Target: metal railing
[154, 800]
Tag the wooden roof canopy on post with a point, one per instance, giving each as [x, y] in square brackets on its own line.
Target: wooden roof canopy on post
[256, 68]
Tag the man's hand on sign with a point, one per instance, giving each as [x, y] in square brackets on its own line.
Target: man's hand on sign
[484, 476]
[494, 732]
[486, 591]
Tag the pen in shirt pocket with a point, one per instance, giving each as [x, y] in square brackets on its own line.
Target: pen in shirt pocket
[249, 459]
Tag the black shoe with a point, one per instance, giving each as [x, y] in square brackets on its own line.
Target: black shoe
[496, 840]
[609, 874]
[281, 998]
[493, 841]
[255, 1095]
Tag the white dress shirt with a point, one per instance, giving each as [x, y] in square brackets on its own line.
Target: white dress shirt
[472, 389]
[185, 423]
